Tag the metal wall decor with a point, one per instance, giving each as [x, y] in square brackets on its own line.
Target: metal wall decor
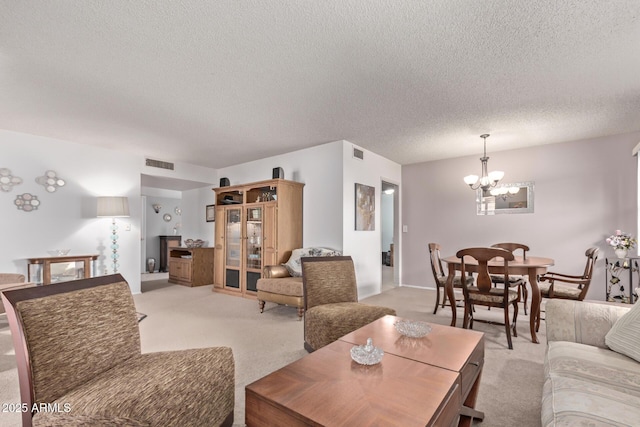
[7, 181]
[27, 202]
[167, 217]
[50, 181]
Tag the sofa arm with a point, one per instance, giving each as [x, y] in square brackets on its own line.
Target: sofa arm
[581, 321]
[275, 271]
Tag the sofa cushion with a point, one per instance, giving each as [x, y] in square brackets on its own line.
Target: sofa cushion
[589, 385]
[293, 264]
[283, 286]
[624, 336]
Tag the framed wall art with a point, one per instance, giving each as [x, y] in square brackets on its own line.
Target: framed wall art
[211, 213]
[365, 208]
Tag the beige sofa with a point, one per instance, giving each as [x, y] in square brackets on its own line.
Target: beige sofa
[586, 383]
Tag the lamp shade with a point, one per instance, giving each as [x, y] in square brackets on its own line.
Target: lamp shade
[113, 207]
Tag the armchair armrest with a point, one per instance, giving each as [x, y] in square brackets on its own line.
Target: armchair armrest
[275, 271]
[581, 321]
[561, 277]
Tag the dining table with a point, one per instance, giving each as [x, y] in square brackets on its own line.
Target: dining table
[531, 266]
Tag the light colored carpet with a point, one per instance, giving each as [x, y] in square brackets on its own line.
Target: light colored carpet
[180, 317]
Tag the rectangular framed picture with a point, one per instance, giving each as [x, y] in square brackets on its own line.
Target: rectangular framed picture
[365, 208]
[211, 213]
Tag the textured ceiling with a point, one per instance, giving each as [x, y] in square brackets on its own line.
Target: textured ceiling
[217, 83]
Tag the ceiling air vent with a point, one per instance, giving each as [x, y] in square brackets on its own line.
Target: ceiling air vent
[159, 164]
[358, 153]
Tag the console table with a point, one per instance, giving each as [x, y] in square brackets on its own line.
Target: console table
[54, 269]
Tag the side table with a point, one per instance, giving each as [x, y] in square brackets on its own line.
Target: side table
[619, 283]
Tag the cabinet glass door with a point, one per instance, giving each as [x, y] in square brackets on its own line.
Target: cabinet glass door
[253, 249]
[254, 238]
[233, 246]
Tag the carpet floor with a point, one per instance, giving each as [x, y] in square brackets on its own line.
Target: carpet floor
[179, 317]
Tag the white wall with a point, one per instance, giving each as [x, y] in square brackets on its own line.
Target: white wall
[330, 173]
[67, 219]
[584, 191]
[365, 246]
[156, 226]
[320, 169]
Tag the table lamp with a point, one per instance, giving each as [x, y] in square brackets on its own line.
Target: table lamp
[113, 207]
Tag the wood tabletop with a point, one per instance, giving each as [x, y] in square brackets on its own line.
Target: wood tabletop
[444, 346]
[328, 388]
[518, 262]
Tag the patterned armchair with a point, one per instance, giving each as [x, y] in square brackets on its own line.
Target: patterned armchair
[77, 345]
[331, 301]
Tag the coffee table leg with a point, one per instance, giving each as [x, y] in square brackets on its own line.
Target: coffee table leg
[468, 412]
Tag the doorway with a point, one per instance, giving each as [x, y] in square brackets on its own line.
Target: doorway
[389, 231]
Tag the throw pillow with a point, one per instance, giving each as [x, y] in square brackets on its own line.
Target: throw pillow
[294, 267]
[624, 336]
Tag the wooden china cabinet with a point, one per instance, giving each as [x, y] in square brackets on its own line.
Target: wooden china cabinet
[257, 224]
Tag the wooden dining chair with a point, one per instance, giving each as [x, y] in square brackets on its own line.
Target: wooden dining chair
[440, 277]
[515, 281]
[484, 293]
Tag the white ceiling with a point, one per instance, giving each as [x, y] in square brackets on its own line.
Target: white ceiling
[218, 83]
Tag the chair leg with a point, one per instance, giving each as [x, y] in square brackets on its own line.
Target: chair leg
[435, 310]
[525, 296]
[515, 318]
[261, 305]
[507, 325]
[467, 316]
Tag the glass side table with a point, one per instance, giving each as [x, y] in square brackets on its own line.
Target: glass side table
[55, 269]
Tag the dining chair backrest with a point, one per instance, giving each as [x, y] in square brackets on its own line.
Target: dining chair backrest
[483, 256]
[513, 247]
[436, 261]
[592, 256]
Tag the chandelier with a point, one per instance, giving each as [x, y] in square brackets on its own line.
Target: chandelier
[487, 180]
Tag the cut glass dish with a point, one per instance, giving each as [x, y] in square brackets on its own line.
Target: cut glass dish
[59, 252]
[367, 354]
[411, 328]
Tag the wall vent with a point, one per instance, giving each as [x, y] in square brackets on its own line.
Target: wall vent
[358, 153]
[159, 164]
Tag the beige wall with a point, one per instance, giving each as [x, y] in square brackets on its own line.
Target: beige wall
[584, 190]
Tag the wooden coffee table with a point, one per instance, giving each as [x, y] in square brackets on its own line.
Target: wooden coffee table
[454, 349]
[407, 388]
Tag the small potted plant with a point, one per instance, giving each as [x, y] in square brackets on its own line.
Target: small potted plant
[621, 243]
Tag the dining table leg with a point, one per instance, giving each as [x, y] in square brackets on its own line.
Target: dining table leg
[535, 303]
[450, 294]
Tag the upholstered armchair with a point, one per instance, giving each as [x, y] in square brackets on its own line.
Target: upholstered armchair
[331, 301]
[282, 284]
[77, 346]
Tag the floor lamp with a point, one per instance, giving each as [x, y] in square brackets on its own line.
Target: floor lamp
[113, 207]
